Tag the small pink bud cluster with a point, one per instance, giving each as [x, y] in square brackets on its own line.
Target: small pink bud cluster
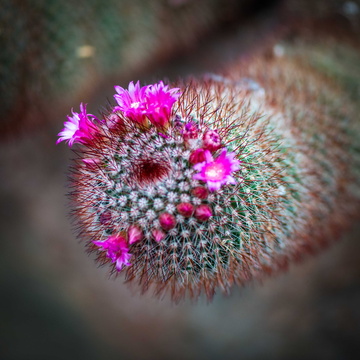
[215, 172]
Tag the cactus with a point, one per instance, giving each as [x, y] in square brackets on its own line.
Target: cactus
[53, 51]
[218, 181]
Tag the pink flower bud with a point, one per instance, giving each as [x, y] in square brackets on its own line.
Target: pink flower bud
[203, 212]
[158, 235]
[91, 163]
[211, 140]
[167, 221]
[105, 218]
[197, 156]
[190, 131]
[135, 234]
[185, 209]
[200, 192]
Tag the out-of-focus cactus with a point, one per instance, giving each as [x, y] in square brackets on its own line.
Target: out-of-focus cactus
[53, 50]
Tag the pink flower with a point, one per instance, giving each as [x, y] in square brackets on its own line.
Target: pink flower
[217, 172]
[159, 102]
[132, 102]
[116, 249]
[79, 127]
[152, 101]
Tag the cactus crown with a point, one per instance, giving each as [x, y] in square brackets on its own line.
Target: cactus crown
[186, 195]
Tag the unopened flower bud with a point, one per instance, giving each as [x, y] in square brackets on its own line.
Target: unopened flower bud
[197, 156]
[211, 140]
[158, 235]
[203, 212]
[200, 192]
[167, 221]
[190, 131]
[185, 209]
[105, 218]
[135, 234]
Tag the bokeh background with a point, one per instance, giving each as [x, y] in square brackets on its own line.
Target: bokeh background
[54, 301]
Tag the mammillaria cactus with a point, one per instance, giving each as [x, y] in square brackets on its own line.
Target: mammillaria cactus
[216, 181]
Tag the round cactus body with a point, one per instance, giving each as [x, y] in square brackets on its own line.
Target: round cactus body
[216, 182]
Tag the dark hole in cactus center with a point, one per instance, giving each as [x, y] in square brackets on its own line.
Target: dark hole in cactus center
[150, 171]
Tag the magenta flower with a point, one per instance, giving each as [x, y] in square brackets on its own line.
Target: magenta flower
[217, 172]
[79, 127]
[154, 102]
[116, 249]
[132, 102]
[159, 102]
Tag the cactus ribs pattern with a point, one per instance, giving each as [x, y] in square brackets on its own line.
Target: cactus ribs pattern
[144, 199]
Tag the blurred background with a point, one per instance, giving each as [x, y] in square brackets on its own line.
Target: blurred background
[55, 303]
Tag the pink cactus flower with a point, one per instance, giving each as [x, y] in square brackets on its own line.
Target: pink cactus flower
[217, 173]
[79, 128]
[116, 249]
[132, 102]
[159, 101]
[153, 102]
